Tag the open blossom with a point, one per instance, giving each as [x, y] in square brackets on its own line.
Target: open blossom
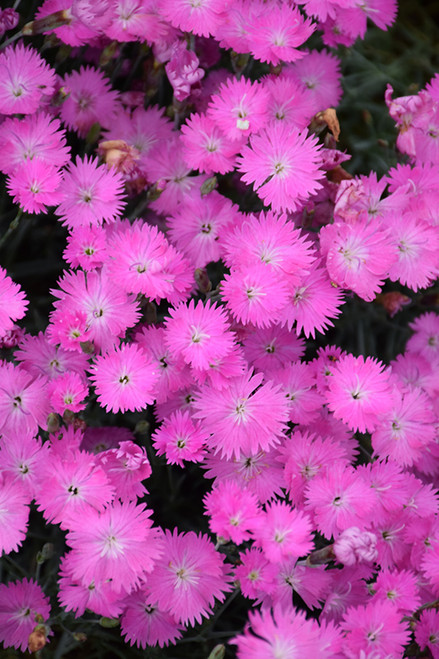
[180, 438]
[234, 511]
[359, 392]
[144, 623]
[93, 194]
[13, 302]
[283, 532]
[34, 185]
[206, 147]
[376, 627]
[24, 79]
[124, 379]
[20, 603]
[14, 513]
[283, 165]
[189, 578]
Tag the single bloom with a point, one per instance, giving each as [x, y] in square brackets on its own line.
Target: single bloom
[25, 78]
[20, 604]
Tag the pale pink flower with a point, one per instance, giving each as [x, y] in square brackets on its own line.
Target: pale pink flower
[355, 546]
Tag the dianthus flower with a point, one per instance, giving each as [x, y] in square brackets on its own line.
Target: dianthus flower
[69, 487]
[399, 587]
[86, 247]
[23, 400]
[339, 499]
[14, 513]
[239, 108]
[283, 532]
[270, 348]
[126, 466]
[91, 307]
[124, 379]
[22, 457]
[355, 546]
[199, 224]
[200, 333]
[34, 185]
[319, 74]
[425, 340]
[427, 631]
[90, 100]
[135, 20]
[275, 35]
[280, 634]
[376, 627]
[288, 102]
[35, 136]
[24, 78]
[234, 511]
[117, 543]
[198, 16]
[67, 392]
[283, 165]
[359, 392]
[144, 623]
[248, 416]
[358, 256]
[206, 147]
[93, 194]
[189, 578]
[183, 70]
[180, 438]
[13, 302]
[20, 604]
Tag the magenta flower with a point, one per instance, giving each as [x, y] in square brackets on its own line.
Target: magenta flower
[117, 544]
[14, 513]
[67, 392]
[206, 147]
[124, 379]
[283, 165]
[93, 194]
[23, 400]
[283, 532]
[24, 79]
[376, 627]
[13, 302]
[199, 333]
[34, 185]
[359, 392]
[20, 603]
[189, 578]
[180, 438]
[90, 100]
[247, 416]
[144, 623]
[234, 511]
[86, 247]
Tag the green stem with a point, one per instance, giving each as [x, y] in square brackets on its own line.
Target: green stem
[12, 227]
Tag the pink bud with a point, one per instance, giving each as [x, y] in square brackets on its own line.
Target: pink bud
[355, 546]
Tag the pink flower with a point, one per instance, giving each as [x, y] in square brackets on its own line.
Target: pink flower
[338, 499]
[359, 392]
[277, 33]
[239, 108]
[35, 136]
[199, 17]
[281, 633]
[144, 623]
[34, 185]
[189, 578]
[270, 348]
[234, 512]
[427, 631]
[358, 256]
[199, 226]
[90, 100]
[246, 417]
[24, 78]
[199, 333]
[399, 587]
[86, 247]
[108, 310]
[93, 194]
[283, 165]
[13, 302]
[376, 627]
[20, 604]
[183, 70]
[283, 532]
[206, 147]
[67, 392]
[124, 379]
[180, 438]
[70, 486]
[255, 295]
[126, 467]
[319, 74]
[22, 460]
[23, 400]
[255, 574]
[14, 513]
[288, 101]
[425, 340]
[37, 356]
[355, 546]
[117, 544]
